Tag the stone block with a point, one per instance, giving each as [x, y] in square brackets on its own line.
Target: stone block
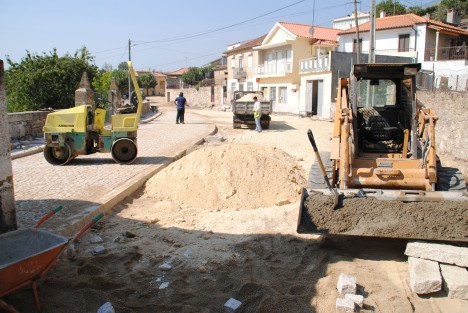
[344, 305]
[232, 305]
[346, 284]
[455, 281]
[438, 252]
[424, 276]
[357, 299]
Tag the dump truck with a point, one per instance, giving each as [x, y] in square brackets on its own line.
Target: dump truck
[242, 107]
[383, 148]
[84, 130]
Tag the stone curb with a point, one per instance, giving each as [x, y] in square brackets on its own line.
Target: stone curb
[41, 148]
[74, 224]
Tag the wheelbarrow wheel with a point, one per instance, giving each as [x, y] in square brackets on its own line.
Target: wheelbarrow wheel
[58, 155]
[124, 151]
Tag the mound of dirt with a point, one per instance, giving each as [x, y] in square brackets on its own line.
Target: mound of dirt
[232, 176]
[249, 97]
[445, 220]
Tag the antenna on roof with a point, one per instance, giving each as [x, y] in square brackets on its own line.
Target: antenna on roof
[311, 29]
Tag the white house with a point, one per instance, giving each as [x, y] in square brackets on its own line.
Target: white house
[349, 21]
[441, 48]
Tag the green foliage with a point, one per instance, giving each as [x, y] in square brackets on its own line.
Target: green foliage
[196, 74]
[390, 7]
[123, 66]
[121, 79]
[47, 80]
[461, 6]
[146, 81]
[102, 81]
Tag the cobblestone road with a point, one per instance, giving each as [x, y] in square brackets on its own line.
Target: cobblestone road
[86, 180]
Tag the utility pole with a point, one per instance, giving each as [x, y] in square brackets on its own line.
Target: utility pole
[358, 44]
[129, 58]
[372, 33]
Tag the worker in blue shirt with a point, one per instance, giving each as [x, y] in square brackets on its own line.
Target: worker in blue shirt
[180, 102]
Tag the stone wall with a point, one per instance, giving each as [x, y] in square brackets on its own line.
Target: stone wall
[451, 128]
[197, 98]
[26, 124]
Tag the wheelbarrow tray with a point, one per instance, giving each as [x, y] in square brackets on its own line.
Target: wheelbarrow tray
[26, 255]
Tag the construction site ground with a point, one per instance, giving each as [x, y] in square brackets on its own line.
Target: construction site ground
[220, 223]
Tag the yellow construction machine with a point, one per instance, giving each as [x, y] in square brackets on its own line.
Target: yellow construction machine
[81, 131]
[383, 146]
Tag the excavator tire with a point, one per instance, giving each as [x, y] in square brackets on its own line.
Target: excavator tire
[316, 180]
[450, 179]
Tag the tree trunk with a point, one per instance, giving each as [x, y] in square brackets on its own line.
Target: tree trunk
[7, 199]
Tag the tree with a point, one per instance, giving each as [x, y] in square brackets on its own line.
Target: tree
[123, 66]
[196, 74]
[47, 80]
[146, 81]
[121, 79]
[461, 6]
[390, 7]
[101, 82]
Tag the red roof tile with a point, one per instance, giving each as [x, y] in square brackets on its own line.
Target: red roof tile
[323, 35]
[179, 71]
[405, 20]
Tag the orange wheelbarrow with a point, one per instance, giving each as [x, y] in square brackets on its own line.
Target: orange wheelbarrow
[28, 254]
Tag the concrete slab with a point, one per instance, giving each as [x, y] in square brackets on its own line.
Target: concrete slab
[455, 281]
[438, 252]
[424, 276]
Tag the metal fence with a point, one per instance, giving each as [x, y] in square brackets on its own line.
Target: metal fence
[429, 80]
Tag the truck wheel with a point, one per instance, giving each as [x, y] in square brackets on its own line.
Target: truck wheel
[450, 179]
[266, 125]
[124, 151]
[316, 180]
[58, 155]
[237, 125]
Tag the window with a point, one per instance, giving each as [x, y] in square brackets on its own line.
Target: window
[241, 61]
[376, 93]
[249, 86]
[241, 87]
[355, 48]
[233, 87]
[403, 43]
[249, 61]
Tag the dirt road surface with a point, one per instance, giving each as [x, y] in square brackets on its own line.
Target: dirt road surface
[221, 223]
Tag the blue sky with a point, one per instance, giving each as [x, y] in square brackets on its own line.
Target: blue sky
[166, 35]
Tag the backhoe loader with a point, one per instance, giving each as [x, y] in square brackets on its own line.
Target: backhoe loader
[383, 146]
[81, 131]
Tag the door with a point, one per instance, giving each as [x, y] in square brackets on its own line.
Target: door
[273, 97]
[319, 97]
[309, 99]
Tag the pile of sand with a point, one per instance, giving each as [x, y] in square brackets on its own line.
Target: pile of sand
[249, 97]
[232, 176]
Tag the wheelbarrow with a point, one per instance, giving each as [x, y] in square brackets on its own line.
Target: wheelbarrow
[28, 254]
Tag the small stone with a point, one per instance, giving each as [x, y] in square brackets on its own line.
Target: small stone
[99, 250]
[202, 269]
[117, 239]
[357, 299]
[346, 284]
[283, 202]
[155, 220]
[179, 220]
[232, 305]
[164, 285]
[96, 239]
[129, 234]
[70, 252]
[344, 306]
[165, 267]
[106, 308]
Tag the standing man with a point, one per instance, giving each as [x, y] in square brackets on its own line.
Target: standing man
[257, 114]
[180, 102]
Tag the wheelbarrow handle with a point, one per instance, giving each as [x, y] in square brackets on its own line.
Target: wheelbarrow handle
[93, 221]
[51, 213]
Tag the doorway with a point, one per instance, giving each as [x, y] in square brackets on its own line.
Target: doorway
[273, 97]
[314, 97]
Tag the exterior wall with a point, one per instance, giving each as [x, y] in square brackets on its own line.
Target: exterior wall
[326, 92]
[26, 124]
[197, 98]
[456, 71]
[291, 104]
[451, 131]
[249, 70]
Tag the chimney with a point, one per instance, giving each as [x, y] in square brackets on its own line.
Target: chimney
[452, 17]
[383, 14]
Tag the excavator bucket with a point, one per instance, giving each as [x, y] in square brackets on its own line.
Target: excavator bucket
[440, 216]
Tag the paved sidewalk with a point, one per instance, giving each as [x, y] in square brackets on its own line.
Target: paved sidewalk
[95, 183]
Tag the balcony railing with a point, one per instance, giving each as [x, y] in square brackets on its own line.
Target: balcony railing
[239, 73]
[447, 54]
[315, 64]
[274, 69]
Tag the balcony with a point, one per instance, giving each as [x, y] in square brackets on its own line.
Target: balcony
[279, 68]
[446, 54]
[315, 64]
[239, 73]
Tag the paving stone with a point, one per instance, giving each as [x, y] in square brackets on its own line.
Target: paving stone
[165, 267]
[438, 252]
[455, 281]
[232, 305]
[106, 308]
[99, 250]
[96, 239]
[164, 285]
[344, 305]
[424, 276]
[357, 299]
[346, 284]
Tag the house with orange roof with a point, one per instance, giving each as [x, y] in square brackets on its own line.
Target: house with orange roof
[160, 88]
[174, 79]
[280, 56]
[441, 48]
